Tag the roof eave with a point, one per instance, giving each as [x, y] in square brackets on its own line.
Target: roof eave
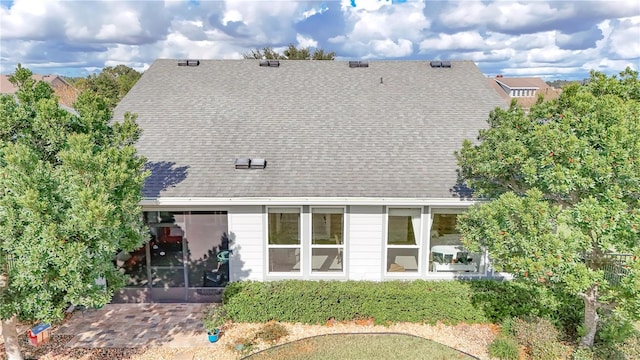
[319, 201]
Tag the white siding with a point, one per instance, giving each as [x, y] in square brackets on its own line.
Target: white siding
[366, 224]
[246, 231]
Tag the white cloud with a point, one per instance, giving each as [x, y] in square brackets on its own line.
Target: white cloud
[314, 11]
[380, 29]
[31, 20]
[405, 20]
[550, 54]
[542, 71]
[179, 46]
[624, 40]
[305, 41]
[367, 5]
[388, 48]
[534, 16]
[125, 25]
[492, 56]
[231, 15]
[523, 37]
[467, 40]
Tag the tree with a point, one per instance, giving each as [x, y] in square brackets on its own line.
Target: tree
[113, 83]
[70, 187]
[558, 84]
[291, 53]
[565, 184]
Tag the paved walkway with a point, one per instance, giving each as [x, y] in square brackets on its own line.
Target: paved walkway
[135, 325]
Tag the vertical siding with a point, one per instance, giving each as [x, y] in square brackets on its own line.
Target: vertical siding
[365, 243]
[246, 231]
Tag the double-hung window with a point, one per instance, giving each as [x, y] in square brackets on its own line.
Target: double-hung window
[403, 240]
[327, 240]
[283, 243]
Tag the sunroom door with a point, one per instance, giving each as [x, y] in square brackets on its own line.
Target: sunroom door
[167, 257]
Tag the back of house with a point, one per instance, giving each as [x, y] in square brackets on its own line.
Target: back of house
[265, 170]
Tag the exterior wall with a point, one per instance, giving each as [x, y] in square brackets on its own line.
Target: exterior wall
[246, 229]
[365, 249]
[365, 243]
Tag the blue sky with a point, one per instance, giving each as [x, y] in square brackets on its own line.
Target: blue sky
[551, 39]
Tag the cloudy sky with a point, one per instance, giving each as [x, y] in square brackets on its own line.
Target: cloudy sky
[552, 39]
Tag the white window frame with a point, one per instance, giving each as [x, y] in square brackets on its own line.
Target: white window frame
[484, 254]
[342, 247]
[417, 246]
[285, 210]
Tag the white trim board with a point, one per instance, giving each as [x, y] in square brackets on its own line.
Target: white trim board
[317, 201]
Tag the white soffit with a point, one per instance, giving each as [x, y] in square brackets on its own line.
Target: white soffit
[307, 201]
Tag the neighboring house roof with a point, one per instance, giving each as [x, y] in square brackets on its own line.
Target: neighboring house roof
[325, 129]
[535, 86]
[66, 93]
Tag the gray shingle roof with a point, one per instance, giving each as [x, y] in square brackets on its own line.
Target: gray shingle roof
[325, 129]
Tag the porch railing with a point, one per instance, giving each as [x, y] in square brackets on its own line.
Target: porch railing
[618, 267]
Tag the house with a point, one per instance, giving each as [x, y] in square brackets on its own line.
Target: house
[65, 92]
[266, 170]
[525, 90]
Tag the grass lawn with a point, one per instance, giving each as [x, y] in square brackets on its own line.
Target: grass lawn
[361, 346]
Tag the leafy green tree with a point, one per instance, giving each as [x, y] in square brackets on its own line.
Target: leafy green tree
[291, 53]
[564, 181]
[113, 83]
[70, 187]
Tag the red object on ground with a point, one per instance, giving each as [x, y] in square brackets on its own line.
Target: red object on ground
[39, 334]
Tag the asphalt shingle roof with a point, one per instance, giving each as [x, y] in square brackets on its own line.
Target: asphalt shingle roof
[325, 129]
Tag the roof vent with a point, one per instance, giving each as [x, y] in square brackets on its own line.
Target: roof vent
[258, 163]
[270, 63]
[446, 64]
[435, 64]
[246, 163]
[243, 163]
[355, 64]
[188, 62]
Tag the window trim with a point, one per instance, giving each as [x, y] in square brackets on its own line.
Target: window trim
[342, 246]
[418, 245]
[452, 274]
[299, 246]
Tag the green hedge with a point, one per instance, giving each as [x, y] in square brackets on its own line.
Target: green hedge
[315, 302]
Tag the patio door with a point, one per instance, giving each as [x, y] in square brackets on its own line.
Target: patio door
[206, 255]
[167, 250]
[185, 260]
[189, 256]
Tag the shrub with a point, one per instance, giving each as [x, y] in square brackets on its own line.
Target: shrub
[540, 337]
[551, 351]
[629, 349]
[504, 348]
[506, 328]
[272, 332]
[315, 302]
[614, 329]
[502, 300]
[583, 353]
[214, 317]
[451, 302]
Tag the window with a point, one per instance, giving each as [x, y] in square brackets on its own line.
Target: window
[447, 252]
[403, 244]
[284, 239]
[327, 240]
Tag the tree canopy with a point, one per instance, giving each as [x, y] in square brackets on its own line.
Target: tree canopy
[70, 186]
[564, 180]
[291, 53]
[112, 83]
